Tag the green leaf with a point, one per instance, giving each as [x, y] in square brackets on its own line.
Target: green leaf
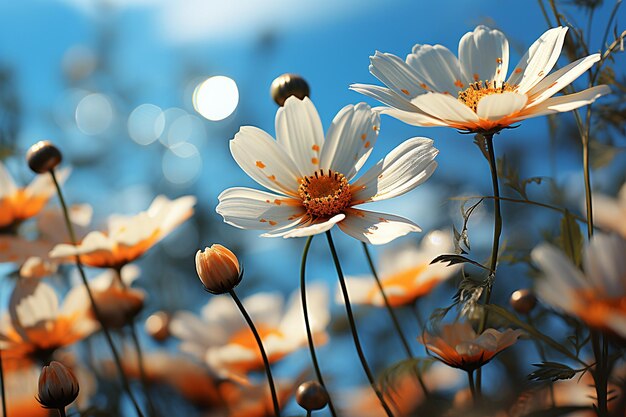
[457, 259]
[571, 239]
[511, 178]
[552, 371]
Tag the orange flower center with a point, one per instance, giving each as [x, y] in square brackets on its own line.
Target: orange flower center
[476, 91]
[596, 311]
[325, 195]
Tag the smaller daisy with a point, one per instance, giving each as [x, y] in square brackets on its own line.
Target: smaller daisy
[610, 213]
[457, 344]
[129, 237]
[597, 296]
[222, 339]
[406, 274]
[311, 178]
[18, 204]
[38, 325]
[435, 88]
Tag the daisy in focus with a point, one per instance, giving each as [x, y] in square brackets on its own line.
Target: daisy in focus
[18, 204]
[310, 177]
[597, 296]
[225, 343]
[471, 92]
[457, 344]
[129, 237]
[406, 274]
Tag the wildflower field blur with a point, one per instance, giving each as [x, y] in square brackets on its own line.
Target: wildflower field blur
[267, 209]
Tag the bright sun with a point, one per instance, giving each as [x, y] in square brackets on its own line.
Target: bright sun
[216, 98]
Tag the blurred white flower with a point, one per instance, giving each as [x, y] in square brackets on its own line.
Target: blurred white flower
[597, 296]
[610, 213]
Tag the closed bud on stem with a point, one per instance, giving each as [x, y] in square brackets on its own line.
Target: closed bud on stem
[523, 301]
[158, 326]
[58, 387]
[311, 396]
[43, 157]
[218, 269]
[287, 85]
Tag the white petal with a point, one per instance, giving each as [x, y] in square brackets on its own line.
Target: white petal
[169, 214]
[376, 228]
[222, 312]
[187, 327]
[445, 107]
[484, 55]
[565, 103]
[246, 208]
[437, 68]
[32, 304]
[605, 264]
[404, 168]
[496, 106]
[415, 118]
[312, 228]
[7, 185]
[395, 74]
[538, 60]
[43, 186]
[265, 308]
[93, 242]
[384, 95]
[350, 139]
[359, 290]
[292, 323]
[608, 213]
[560, 79]
[264, 160]
[299, 131]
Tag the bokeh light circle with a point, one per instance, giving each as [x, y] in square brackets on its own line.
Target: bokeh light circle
[216, 98]
[94, 114]
[146, 124]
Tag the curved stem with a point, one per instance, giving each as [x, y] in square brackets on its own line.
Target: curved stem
[266, 361]
[309, 334]
[355, 335]
[94, 306]
[4, 404]
[394, 318]
[470, 378]
[497, 231]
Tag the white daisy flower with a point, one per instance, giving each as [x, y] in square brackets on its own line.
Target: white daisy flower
[471, 92]
[597, 296]
[310, 177]
[610, 213]
[222, 339]
[406, 273]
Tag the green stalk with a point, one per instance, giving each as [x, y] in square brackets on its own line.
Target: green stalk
[266, 361]
[355, 335]
[309, 334]
[394, 318]
[95, 308]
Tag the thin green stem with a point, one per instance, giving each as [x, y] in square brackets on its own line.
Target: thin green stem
[4, 405]
[394, 318]
[61, 412]
[542, 356]
[472, 386]
[355, 335]
[95, 308]
[497, 231]
[600, 377]
[309, 334]
[266, 361]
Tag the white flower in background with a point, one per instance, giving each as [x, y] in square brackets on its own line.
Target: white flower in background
[37, 323]
[222, 339]
[406, 273]
[472, 93]
[129, 237]
[597, 296]
[610, 213]
[309, 176]
[18, 204]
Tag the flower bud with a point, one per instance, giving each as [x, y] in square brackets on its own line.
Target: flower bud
[287, 85]
[311, 395]
[523, 301]
[43, 157]
[218, 269]
[58, 387]
[158, 326]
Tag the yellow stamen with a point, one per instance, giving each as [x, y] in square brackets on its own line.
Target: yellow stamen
[476, 91]
[325, 194]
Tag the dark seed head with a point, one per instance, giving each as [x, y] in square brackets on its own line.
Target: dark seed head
[43, 157]
[312, 396]
[287, 85]
[523, 301]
